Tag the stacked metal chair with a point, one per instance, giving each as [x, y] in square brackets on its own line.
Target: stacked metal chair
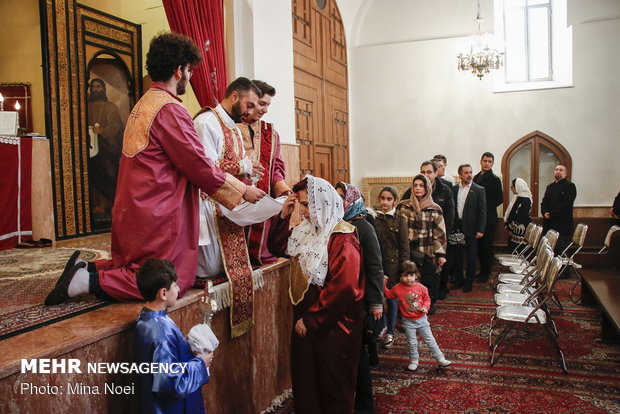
[552, 239]
[520, 287]
[518, 247]
[524, 274]
[526, 253]
[534, 310]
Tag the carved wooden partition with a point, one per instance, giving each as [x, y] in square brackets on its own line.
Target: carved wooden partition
[72, 34]
[321, 103]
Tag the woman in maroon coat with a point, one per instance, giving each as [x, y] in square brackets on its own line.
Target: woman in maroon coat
[327, 291]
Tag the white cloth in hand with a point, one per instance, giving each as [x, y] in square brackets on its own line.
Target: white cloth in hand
[202, 339]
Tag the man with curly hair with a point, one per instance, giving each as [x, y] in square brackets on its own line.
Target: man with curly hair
[162, 167]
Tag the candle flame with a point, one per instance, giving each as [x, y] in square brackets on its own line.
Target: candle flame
[17, 106]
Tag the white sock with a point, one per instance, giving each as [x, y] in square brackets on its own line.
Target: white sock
[79, 283]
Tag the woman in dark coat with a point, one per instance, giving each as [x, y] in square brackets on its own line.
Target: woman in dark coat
[391, 230]
[517, 215]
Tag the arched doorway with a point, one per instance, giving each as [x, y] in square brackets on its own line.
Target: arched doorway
[533, 158]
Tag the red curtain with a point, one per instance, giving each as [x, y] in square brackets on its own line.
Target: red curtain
[203, 21]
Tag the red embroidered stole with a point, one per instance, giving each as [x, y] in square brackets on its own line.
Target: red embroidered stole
[264, 146]
[231, 238]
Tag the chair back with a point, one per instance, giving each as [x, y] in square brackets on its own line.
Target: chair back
[546, 255]
[542, 245]
[528, 231]
[611, 231]
[535, 238]
[579, 235]
[552, 237]
[552, 275]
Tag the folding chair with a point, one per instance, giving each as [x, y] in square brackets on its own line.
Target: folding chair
[576, 266]
[528, 294]
[539, 314]
[527, 252]
[530, 281]
[552, 239]
[522, 243]
[523, 277]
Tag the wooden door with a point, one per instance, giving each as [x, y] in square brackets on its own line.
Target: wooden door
[321, 103]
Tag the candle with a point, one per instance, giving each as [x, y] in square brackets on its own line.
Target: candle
[1, 102]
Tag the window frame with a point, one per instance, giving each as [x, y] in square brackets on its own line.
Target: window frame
[560, 49]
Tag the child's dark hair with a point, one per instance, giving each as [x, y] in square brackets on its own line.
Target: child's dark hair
[153, 275]
[390, 190]
[410, 268]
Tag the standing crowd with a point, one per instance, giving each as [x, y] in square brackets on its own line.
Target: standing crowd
[179, 175]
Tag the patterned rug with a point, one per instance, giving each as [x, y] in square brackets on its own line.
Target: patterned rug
[526, 379]
[26, 277]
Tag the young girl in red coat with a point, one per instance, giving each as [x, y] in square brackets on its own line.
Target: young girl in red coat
[414, 303]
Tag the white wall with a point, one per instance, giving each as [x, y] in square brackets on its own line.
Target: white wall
[409, 102]
[273, 61]
[263, 49]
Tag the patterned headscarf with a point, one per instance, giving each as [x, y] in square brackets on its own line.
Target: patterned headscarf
[427, 200]
[412, 209]
[309, 239]
[353, 201]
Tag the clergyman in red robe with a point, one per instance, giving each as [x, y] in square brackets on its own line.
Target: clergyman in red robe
[261, 142]
[162, 168]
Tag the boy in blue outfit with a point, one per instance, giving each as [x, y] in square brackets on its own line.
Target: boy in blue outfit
[159, 340]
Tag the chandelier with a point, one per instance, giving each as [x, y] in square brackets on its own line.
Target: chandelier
[480, 59]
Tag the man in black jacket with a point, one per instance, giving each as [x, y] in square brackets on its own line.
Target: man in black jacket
[442, 195]
[494, 196]
[471, 216]
[557, 208]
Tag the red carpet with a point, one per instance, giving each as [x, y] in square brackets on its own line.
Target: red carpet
[526, 379]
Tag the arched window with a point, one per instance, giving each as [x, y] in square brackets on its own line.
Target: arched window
[533, 159]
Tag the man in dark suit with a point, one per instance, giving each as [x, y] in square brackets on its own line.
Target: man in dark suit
[471, 209]
[557, 209]
[494, 197]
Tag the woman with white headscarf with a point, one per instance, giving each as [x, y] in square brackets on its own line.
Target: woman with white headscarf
[327, 291]
[517, 215]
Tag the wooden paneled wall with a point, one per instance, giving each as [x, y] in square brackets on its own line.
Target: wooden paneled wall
[321, 104]
[290, 155]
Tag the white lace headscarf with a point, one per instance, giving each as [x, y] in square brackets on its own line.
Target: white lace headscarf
[522, 191]
[310, 238]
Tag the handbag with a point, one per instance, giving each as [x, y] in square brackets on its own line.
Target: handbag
[456, 239]
[418, 257]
